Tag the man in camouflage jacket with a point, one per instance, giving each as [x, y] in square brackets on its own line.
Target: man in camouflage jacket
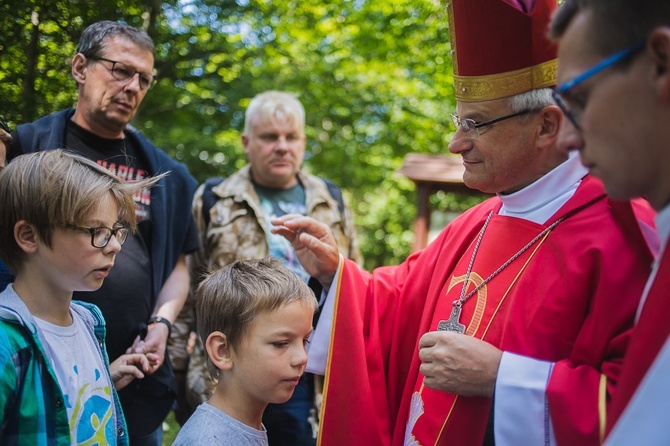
[234, 224]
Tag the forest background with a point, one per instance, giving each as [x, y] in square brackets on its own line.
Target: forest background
[375, 77]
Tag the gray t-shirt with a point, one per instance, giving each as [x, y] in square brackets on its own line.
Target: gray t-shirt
[210, 426]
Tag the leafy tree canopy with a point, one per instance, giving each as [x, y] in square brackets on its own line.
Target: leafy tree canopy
[375, 78]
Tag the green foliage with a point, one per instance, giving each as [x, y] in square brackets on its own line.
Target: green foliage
[374, 77]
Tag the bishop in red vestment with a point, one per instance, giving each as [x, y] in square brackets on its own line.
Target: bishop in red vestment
[512, 325]
[568, 300]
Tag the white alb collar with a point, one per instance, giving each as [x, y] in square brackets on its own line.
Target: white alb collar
[541, 199]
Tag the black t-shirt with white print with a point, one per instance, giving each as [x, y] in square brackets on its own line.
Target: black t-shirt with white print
[125, 297]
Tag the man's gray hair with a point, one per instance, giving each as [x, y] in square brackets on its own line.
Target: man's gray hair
[275, 106]
[531, 100]
[94, 40]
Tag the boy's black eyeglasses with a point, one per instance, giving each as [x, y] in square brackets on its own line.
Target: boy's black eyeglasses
[471, 127]
[560, 93]
[101, 235]
[123, 72]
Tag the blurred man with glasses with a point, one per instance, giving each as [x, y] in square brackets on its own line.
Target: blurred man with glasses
[510, 328]
[614, 84]
[114, 70]
[5, 141]
[6, 276]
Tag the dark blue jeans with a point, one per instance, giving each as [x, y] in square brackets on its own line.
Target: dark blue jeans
[153, 439]
[287, 423]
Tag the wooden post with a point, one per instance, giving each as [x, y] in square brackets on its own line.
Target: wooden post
[422, 221]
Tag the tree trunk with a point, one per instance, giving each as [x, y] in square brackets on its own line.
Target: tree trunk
[28, 91]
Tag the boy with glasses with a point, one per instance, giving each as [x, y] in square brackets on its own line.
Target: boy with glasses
[614, 83]
[66, 218]
[113, 69]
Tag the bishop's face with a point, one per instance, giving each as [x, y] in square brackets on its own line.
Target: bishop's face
[498, 158]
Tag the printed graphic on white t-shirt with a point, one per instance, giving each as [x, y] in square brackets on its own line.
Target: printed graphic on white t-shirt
[82, 375]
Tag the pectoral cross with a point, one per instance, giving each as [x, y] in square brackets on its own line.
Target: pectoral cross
[452, 323]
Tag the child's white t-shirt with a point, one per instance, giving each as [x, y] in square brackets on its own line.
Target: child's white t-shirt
[82, 375]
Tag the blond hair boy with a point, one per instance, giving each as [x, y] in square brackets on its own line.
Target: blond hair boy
[254, 318]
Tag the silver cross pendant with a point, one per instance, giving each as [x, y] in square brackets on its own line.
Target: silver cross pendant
[452, 323]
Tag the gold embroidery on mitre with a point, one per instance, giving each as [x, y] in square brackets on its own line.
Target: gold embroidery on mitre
[544, 74]
[502, 85]
[452, 38]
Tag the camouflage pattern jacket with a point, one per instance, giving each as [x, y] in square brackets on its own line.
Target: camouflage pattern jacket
[236, 228]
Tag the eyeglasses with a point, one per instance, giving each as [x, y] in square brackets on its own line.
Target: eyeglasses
[5, 135]
[3, 125]
[5, 138]
[471, 127]
[123, 72]
[101, 235]
[561, 92]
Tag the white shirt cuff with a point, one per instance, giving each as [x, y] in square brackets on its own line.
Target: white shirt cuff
[319, 342]
[521, 413]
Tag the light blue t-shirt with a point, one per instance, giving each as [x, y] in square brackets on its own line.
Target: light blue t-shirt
[277, 203]
[210, 426]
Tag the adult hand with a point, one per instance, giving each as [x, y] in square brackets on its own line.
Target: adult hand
[153, 345]
[458, 363]
[128, 367]
[314, 245]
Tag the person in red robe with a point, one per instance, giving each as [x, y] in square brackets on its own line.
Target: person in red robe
[626, 77]
[510, 328]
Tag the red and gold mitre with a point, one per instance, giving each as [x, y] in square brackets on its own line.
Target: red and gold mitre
[500, 47]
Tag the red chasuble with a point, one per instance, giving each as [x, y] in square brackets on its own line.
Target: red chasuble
[649, 336]
[570, 299]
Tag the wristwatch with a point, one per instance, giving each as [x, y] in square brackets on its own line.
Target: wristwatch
[161, 320]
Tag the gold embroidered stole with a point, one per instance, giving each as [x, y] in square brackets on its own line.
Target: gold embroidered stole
[434, 414]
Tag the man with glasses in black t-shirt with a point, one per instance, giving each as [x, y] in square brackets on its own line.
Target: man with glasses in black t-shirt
[233, 218]
[5, 140]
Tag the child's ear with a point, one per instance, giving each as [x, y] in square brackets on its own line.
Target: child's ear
[219, 351]
[26, 236]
